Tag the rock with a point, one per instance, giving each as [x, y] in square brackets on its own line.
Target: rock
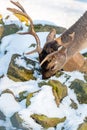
[2, 116]
[59, 90]
[80, 88]
[83, 126]
[22, 96]
[85, 120]
[8, 29]
[47, 122]
[2, 128]
[85, 77]
[59, 73]
[29, 96]
[18, 72]
[1, 31]
[73, 105]
[28, 102]
[42, 83]
[17, 121]
[8, 91]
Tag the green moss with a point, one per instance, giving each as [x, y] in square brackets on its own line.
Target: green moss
[80, 88]
[8, 29]
[47, 122]
[83, 126]
[58, 74]
[73, 104]
[19, 73]
[40, 84]
[22, 96]
[85, 77]
[28, 102]
[59, 90]
[8, 91]
[48, 28]
[29, 96]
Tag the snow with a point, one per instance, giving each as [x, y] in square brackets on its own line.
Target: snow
[62, 13]
[8, 104]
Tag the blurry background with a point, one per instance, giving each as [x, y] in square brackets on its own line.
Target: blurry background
[60, 12]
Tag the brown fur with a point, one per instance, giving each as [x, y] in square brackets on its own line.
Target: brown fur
[74, 39]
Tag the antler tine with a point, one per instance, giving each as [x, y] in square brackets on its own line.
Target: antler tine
[31, 31]
[18, 5]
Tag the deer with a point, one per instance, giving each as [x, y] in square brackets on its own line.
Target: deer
[56, 52]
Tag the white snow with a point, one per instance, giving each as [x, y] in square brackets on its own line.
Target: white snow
[8, 105]
[63, 13]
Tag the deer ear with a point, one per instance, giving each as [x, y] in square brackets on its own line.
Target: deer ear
[72, 35]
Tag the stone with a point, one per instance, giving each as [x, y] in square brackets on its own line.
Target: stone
[2, 116]
[83, 126]
[1, 31]
[22, 96]
[8, 29]
[73, 105]
[59, 90]
[20, 73]
[28, 102]
[47, 122]
[17, 121]
[2, 128]
[80, 88]
[29, 96]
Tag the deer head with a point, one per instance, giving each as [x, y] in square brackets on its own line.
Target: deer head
[70, 43]
[56, 51]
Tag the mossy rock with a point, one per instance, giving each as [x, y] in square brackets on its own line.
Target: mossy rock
[16, 120]
[9, 29]
[1, 31]
[59, 90]
[80, 88]
[59, 73]
[47, 122]
[20, 73]
[42, 83]
[29, 96]
[2, 116]
[2, 128]
[48, 28]
[22, 96]
[73, 105]
[85, 77]
[85, 120]
[28, 102]
[83, 126]
[8, 91]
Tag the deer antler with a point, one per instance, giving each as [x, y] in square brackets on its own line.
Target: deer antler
[71, 41]
[26, 18]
